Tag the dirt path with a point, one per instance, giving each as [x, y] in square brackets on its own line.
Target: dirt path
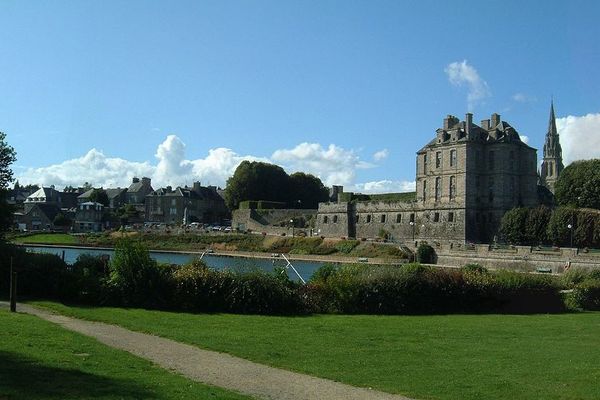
[213, 368]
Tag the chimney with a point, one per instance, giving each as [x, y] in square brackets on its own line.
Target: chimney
[135, 180]
[495, 120]
[485, 124]
[468, 123]
[197, 187]
[169, 189]
[146, 181]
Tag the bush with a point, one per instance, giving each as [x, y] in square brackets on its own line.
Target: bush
[346, 246]
[136, 279]
[419, 289]
[425, 254]
[202, 289]
[475, 268]
[585, 295]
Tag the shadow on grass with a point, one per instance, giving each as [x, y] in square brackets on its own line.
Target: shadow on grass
[25, 378]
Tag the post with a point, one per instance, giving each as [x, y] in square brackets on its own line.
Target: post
[292, 223]
[13, 288]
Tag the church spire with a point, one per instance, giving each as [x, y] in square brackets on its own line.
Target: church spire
[552, 164]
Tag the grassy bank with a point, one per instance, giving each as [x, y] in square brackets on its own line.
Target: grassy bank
[39, 360]
[425, 357]
[224, 242]
[48, 238]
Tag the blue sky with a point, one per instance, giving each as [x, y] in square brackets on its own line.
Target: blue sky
[101, 91]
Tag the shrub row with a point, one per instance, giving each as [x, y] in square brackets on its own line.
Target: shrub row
[134, 279]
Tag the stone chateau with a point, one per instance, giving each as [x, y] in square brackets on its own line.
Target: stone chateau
[467, 177]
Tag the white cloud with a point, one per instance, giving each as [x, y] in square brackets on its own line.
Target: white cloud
[579, 137]
[172, 168]
[334, 165]
[93, 167]
[524, 139]
[385, 186]
[460, 73]
[381, 155]
[523, 98]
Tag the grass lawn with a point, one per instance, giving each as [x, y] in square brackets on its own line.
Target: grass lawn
[47, 238]
[39, 360]
[425, 357]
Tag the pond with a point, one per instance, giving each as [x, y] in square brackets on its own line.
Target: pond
[304, 268]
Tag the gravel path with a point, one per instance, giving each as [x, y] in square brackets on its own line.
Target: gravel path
[213, 368]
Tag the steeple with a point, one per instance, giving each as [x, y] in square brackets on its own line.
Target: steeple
[552, 164]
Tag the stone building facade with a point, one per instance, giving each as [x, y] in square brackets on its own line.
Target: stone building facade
[467, 177]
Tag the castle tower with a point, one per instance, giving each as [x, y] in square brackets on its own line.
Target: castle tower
[552, 164]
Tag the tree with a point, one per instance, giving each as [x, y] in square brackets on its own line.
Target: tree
[7, 157]
[536, 225]
[579, 185]
[126, 213]
[62, 220]
[100, 196]
[558, 225]
[307, 191]
[253, 180]
[513, 225]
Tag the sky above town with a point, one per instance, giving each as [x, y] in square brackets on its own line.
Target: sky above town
[183, 91]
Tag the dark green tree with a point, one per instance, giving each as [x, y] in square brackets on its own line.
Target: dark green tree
[127, 213]
[7, 157]
[579, 185]
[306, 191]
[253, 180]
[513, 225]
[536, 226]
[559, 232]
[100, 196]
[62, 220]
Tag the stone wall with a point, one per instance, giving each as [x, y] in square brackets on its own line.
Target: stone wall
[524, 258]
[274, 221]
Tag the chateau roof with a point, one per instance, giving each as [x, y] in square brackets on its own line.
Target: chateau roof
[492, 131]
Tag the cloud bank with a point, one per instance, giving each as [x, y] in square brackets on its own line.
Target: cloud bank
[334, 165]
[579, 137]
[461, 73]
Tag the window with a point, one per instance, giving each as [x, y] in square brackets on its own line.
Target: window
[425, 163]
[173, 202]
[452, 187]
[173, 211]
[512, 187]
[438, 188]
[325, 219]
[478, 159]
[491, 190]
[424, 190]
[450, 217]
[398, 218]
[436, 217]
[438, 159]
[491, 160]
[335, 217]
[383, 218]
[453, 158]
[511, 160]
[368, 219]
[356, 218]
[549, 169]
[412, 218]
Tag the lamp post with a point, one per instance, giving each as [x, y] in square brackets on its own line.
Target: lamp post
[412, 224]
[292, 223]
[570, 226]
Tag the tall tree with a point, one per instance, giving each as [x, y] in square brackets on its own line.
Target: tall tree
[307, 191]
[579, 185]
[100, 196]
[7, 157]
[253, 180]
